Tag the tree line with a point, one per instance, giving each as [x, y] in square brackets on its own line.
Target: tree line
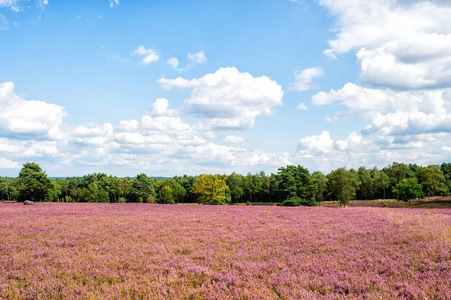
[290, 186]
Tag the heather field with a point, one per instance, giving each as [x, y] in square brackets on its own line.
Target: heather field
[144, 251]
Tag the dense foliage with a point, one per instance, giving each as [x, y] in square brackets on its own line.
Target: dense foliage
[292, 185]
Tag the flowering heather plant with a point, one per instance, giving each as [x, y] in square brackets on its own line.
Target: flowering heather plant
[141, 251]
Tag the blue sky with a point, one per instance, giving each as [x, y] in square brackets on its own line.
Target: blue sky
[176, 87]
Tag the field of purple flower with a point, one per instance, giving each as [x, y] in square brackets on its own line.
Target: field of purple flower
[140, 251]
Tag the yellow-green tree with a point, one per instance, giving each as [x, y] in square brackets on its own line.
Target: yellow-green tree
[211, 189]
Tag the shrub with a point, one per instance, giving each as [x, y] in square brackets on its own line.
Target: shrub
[149, 199]
[121, 200]
[296, 201]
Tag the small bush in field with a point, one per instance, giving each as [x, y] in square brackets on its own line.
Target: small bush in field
[149, 199]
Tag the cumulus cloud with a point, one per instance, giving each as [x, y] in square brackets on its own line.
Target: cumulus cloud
[234, 139]
[353, 141]
[174, 63]
[160, 140]
[228, 99]
[302, 106]
[316, 143]
[28, 118]
[408, 126]
[304, 79]
[150, 55]
[390, 112]
[194, 59]
[359, 100]
[399, 44]
[403, 50]
[8, 164]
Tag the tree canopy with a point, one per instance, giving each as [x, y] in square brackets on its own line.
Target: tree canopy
[33, 183]
[341, 185]
[408, 189]
[291, 185]
[296, 186]
[211, 189]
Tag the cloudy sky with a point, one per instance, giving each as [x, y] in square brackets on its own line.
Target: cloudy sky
[188, 87]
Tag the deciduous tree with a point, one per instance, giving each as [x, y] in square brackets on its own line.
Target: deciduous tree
[432, 180]
[408, 189]
[341, 186]
[211, 189]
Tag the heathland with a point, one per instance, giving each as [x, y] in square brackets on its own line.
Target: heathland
[151, 251]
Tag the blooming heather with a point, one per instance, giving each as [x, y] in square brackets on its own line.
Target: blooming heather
[144, 251]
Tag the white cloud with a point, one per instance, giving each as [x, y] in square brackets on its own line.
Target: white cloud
[43, 3]
[359, 100]
[408, 126]
[228, 99]
[162, 141]
[403, 49]
[179, 82]
[150, 55]
[399, 44]
[302, 106]
[351, 142]
[197, 58]
[114, 2]
[14, 4]
[8, 164]
[174, 62]
[316, 143]
[390, 112]
[234, 139]
[28, 118]
[194, 58]
[358, 150]
[11, 4]
[304, 79]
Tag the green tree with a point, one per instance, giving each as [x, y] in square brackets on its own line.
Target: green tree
[211, 189]
[251, 186]
[54, 191]
[33, 183]
[408, 189]
[187, 183]
[296, 186]
[396, 173]
[432, 180]
[143, 187]
[320, 181]
[234, 182]
[365, 190]
[341, 186]
[446, 170]
[4, 190]
[165, 195]
[381, 182]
